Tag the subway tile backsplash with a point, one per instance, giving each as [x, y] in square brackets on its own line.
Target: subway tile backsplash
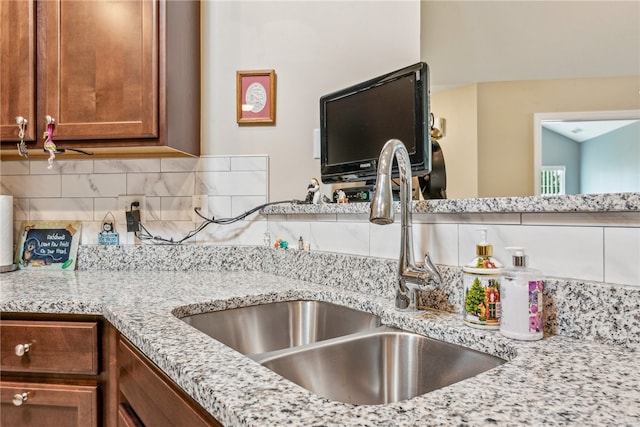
[595, 247]
[88, 190]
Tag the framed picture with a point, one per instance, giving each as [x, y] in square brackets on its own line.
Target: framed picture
[48, 245]
[256, 97]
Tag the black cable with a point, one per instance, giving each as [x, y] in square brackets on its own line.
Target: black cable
[206, 222]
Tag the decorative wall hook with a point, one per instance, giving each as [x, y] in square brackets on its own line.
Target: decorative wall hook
[48, 139]
[22, 126]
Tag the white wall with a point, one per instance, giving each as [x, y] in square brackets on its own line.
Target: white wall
[611, 161]
[476, 41]
[315, 47]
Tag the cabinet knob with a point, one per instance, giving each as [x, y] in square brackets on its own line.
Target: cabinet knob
[20, 398]
[22, 349]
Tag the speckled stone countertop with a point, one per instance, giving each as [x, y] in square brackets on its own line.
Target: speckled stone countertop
[556, 381]
[611, 202]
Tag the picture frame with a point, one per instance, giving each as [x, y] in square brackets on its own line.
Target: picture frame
[256, 97]
[48, 245]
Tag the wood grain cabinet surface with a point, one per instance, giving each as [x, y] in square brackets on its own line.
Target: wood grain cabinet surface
[55, 405]
[148, 397]
[121, 79]
[57, 371]
[49, 346]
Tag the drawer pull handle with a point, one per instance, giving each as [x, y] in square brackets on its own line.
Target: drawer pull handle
[20, 398]
[22, 349]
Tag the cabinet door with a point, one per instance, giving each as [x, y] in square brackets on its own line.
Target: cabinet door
[53, 346]
[152, 396]
[17, 73]
[98, 68]
[128, 418]
[44, 405]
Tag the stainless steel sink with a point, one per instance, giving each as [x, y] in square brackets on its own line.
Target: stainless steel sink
[273, 326]
[341, 353]
[379, 367]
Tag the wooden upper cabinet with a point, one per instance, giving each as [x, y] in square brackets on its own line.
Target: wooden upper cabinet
[17, 69]
[121, 78]
[98, 68]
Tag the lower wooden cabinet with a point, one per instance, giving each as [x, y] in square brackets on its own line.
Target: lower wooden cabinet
[77, 371]
[35, 404]
[57, 370]
[148, 397]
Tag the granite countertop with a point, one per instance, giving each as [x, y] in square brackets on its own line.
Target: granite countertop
[608, 202]
[555, 381]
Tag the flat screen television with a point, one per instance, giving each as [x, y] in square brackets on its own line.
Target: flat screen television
[357, 121]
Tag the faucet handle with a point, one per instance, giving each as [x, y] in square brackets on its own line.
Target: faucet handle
[430, 267]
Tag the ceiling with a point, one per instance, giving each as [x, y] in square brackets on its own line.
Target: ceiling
[475, 41]
[581, 130]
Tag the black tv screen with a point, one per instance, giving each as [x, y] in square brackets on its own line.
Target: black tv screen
[357, 121]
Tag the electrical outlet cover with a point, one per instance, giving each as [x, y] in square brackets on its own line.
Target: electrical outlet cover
[125, 201]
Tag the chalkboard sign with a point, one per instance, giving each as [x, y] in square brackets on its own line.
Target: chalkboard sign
[49, 245]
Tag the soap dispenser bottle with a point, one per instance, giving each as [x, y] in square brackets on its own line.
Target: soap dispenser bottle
[481, 283]
[521, 299]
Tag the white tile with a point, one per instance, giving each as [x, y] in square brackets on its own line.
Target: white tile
[356, 217]
[239, 233]
[214, 163]
[16, 167]
[20, 209]
[291, 232]
[232, 183]
[52, 209]
[152, 209]
[93, 185]
[167, 230]
[104, 206]
[179, 164]
[126, 165]
[439, 240]
[242, 204]
[175, 208]
[305, 217]
[220, 206]
[62, 167]
[558, 251]
[622, 255]
[31, 186]
[343, 237]
[90, 230]
[161, 184]
[385, 241]
[249, 163]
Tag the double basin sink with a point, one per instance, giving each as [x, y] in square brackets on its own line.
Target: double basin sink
[341, 353]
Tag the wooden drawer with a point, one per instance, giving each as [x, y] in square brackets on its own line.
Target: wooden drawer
[54, 347]
[151, 397]
[48, 405]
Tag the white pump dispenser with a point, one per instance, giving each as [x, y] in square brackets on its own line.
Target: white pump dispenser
[521, 294]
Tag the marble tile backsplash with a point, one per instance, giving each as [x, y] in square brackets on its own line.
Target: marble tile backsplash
[87, 190]
[588, 246]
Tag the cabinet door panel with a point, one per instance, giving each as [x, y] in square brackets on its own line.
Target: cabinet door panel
[57, 347]
[54, 405]
[100, 62]
[17, 74]
[154, 399]
[127, 418]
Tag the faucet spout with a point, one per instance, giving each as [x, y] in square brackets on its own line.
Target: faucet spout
[410, 276]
